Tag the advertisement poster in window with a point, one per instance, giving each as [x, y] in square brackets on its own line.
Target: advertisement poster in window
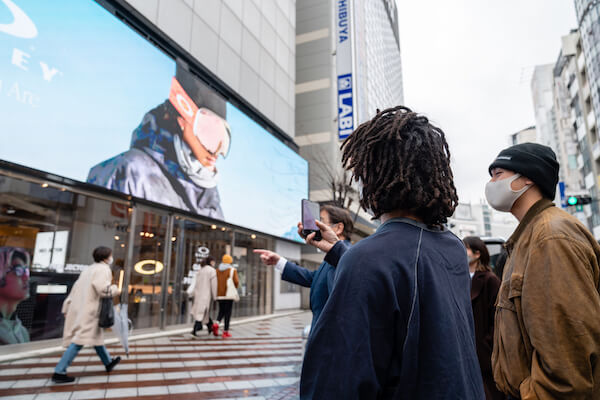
[91, 100]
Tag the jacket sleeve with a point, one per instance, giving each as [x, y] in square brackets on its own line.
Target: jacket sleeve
[296, 274]
[493, 287]
[351, 346]
[334, 255]
[101, 283]
[190, 290]
[213, 284]
[236, 280]
[561, 305]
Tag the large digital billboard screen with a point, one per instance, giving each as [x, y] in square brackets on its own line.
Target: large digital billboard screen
[85, 97]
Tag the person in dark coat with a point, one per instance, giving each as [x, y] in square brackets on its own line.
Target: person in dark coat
[398, 323]
[320, 281]
[484, 290]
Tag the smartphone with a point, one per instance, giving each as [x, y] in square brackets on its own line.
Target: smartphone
[310, 213]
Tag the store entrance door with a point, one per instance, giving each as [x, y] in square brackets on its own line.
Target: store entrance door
[148, 260]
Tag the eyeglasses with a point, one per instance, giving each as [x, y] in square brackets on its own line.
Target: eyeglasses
[16, 260]
[212, 130]
[20, 270]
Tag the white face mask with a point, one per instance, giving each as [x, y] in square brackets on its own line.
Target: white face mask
[109, 260]
[472, 259]
[501, 196]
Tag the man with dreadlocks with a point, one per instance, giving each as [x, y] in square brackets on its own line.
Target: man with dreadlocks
[406, 286]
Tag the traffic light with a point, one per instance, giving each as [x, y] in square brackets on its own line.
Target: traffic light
[579, 200]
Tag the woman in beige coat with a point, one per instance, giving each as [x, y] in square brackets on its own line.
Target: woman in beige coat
[81, 310]
[204, 291]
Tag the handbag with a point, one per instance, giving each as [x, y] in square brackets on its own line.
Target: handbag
[107, 312]
[231, 293]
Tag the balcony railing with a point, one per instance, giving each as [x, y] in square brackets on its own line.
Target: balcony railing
[591, 119]
[596, 150]
[581, 62]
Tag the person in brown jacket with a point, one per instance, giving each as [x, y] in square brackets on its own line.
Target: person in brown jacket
[484, 290]
[225, 271]
[547, 324]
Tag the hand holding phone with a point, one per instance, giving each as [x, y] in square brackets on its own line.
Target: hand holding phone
[310, 213]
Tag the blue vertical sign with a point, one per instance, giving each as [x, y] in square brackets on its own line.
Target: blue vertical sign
[345, 106]
[563, 198]
[345, 93]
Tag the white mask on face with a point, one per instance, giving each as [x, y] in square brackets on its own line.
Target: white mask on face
[501, 196]
[472, 259]
[109, 260]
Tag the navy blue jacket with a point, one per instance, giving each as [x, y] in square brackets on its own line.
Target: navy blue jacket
[319, 281]
[398, 323]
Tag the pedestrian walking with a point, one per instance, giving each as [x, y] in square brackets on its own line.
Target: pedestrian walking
[547, 327]
[225, 272]
[204, 291]
[398, 323]
[81, 309]
[320, 281]
[484, 290]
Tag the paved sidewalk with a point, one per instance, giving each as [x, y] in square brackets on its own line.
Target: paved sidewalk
[261, 361]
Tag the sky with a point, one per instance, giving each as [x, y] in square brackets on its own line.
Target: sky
[467, 65]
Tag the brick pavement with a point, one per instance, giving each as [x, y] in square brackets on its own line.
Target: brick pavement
[261, 361]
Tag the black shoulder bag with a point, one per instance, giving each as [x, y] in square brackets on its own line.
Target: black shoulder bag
[107, 312]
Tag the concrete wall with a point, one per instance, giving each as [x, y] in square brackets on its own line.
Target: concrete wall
[248, 44]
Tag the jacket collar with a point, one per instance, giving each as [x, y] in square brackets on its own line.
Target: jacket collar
[477, 283]
[412, 222]
[533, 212]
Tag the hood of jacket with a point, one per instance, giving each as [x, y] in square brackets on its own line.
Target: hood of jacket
[161, 138]
[225, 267]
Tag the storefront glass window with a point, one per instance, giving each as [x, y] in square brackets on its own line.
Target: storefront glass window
[148, 268]
[255, 278]
[213, 241]
[47, 236]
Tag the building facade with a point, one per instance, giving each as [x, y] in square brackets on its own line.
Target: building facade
[588, 16]
[481, 220]
[588, 108]
[543, 104]
[562, 100]
[202, 94]
[375, 64]
[578, 146]
[524, 136]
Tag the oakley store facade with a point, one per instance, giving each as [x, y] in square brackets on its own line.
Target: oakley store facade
[116, 136]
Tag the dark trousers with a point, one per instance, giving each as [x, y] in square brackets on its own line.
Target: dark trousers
[509, 397]
[198, 325]
[225, 308]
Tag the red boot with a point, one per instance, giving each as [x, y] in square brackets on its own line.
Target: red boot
[215, 329]
[226, 334]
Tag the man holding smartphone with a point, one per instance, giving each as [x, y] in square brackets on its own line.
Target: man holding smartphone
[319, 281]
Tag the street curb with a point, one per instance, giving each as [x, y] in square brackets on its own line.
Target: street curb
[59, 349]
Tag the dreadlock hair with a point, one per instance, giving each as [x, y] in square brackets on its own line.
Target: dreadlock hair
[403, 162]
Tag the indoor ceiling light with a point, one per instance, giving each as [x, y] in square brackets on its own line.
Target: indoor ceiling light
[148, 267]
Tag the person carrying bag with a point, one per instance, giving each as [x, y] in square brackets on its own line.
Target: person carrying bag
[86, 314]
[227, 284]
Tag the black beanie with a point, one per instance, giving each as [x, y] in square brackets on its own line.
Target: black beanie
[534, 161]
[200, 93]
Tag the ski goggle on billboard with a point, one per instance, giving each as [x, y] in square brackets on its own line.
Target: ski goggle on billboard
[211, 130]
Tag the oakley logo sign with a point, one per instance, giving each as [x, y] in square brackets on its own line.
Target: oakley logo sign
[21, 26]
